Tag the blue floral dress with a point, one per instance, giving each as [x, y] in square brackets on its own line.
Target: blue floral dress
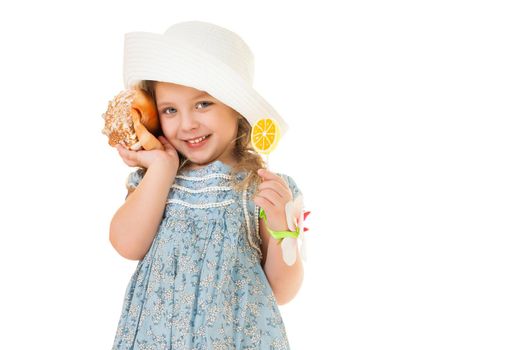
[201, 284]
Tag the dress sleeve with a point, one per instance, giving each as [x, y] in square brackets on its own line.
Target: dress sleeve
[134, 178]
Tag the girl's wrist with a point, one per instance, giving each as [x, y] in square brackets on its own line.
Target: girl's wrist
[167, 163]
[278, 234]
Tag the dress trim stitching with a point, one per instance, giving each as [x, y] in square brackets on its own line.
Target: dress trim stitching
[202, 205]
[201, 190]
[204, 178]
[247, 217]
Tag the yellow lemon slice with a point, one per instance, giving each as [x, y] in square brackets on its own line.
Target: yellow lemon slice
[265, 135]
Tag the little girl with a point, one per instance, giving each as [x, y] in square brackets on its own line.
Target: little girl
[210, 275]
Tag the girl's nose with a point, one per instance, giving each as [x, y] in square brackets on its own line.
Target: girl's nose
[188, 121]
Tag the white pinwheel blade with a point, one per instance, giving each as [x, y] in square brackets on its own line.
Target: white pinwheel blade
[290, 218]
[289, 249]
[303, 248]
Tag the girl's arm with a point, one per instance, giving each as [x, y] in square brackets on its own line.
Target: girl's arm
[135, 223]
[285, 280]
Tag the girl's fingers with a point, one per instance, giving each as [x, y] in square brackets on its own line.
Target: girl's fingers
[268, 175]
[121, 150]
[272, 197]
[127, 156]
[263, 203]
[165, 142]
[276, 186]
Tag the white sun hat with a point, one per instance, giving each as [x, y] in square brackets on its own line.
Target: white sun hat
[203, 56]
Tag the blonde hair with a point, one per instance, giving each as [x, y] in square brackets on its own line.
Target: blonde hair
[248, 160]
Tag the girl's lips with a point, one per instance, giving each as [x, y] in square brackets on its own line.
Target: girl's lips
[199, 144]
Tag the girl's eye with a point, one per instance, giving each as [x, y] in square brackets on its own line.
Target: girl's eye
[205, 102]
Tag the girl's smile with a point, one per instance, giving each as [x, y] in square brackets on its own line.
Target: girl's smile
[198, 141]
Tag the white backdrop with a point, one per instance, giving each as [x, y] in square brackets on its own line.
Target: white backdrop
[406, 139]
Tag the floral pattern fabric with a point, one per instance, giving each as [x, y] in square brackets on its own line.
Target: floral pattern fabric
[201, 284]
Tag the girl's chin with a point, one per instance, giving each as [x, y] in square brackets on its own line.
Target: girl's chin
[197, 160]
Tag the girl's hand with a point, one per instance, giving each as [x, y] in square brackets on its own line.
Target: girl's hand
[145, 158]
[273, 194]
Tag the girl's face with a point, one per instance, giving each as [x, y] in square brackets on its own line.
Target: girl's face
[187, 114]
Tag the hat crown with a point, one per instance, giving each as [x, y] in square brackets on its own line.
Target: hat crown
[217, 41]
[203, 56]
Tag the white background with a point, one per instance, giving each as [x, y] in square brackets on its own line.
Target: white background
[406, 139]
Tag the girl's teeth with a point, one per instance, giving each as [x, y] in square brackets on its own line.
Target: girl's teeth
[197, 140]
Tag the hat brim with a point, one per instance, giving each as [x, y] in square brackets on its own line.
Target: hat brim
[150, 56]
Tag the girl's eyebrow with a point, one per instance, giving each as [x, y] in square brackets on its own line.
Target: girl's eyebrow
[202, 94]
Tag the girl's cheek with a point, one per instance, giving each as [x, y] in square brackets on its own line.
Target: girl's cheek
[169, 128]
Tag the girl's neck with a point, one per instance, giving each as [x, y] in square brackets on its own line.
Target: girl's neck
[194, 166]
